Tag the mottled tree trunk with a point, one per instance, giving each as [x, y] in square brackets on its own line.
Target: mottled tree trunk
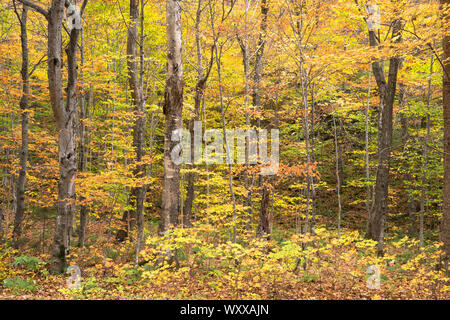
[65, 116]
[173, 105]
[20, 189]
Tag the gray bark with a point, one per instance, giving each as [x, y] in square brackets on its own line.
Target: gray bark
[173, 106]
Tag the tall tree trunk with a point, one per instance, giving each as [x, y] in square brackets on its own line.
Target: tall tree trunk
[338, 179]
[423, 197]
[199, 93]
[264, 217]
[366, 149]
[445, 226]
[139, 136]
[82, 166]
[246, 64]
[20, 191]
[385, 130]
[135, 217]
[218, 56]
[65, 116]
[412, 202]
[173, 107]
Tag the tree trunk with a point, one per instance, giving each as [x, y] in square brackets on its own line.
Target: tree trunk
[366, 149]
[423, 197]
[385, 131]
[65, 123]
[130, 217]
[445, 226]
[20, 191]
[264, 222]
[222, 113]
[199, 91]
[82, 148]
[338, 180]
[264, 217]
[173, 106]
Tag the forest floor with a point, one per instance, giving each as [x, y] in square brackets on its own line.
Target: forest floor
[304, 267]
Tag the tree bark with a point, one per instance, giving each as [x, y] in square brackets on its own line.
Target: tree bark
[82, 166]
[20, 189]
[264, 217]
[445, 226]
[199, 92]
[173, 106]
[130, 217]
[222, 113]
[338, 179]
[65, 116]
[385, 130]
[264, 223]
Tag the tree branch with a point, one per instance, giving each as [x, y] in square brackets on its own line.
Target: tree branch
[35, 7]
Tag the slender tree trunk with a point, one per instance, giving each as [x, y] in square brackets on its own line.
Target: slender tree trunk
[445, 226]
[199, 92]
[313, 160]
[137, 197]
[173, 105]
[385, 130]
[222, 112]
[139, 138]
[425, 162]
[338, 179]
[246, 64]
[264, 222]
[412, 202]
[304, 84]
[2, 232]
[82, 147]
[20, 191]
[366, 149]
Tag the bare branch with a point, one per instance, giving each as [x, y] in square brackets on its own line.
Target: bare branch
[35, 7]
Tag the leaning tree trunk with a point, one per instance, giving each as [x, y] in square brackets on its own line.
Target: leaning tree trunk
[445, 227]
[20, 191]
[385, 130]
[173, 106]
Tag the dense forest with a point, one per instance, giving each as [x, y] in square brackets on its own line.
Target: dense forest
[224, 149]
